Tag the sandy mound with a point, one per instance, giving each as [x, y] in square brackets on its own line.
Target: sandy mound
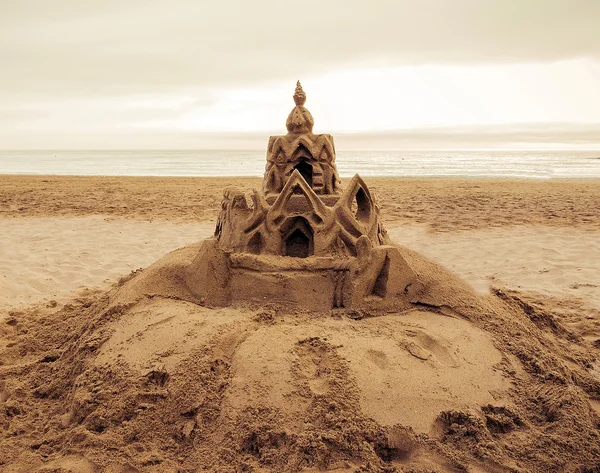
[562, 262]
[143, 378]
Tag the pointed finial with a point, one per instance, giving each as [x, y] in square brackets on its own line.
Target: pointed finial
[299, 95]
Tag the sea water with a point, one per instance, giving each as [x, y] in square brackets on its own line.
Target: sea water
[390, 163]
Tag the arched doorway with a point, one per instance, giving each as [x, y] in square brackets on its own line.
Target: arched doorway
[297, 244]
[298, 238]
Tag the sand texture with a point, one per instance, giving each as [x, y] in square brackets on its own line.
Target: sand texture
[440, 204]
[494, 369]
[48, 258]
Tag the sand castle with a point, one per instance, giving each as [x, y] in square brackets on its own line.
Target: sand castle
[430, 377]
[303, 239]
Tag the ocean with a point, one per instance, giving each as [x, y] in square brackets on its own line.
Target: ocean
[390, 163]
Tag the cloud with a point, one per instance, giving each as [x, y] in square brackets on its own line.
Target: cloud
[140, 73]
[65, 47]
[359, 100]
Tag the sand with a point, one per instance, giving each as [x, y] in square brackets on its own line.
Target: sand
[497, 376]
[439, 204]
[560, 262]
[46, 258]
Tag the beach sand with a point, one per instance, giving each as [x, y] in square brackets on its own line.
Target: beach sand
[60, 233]
[439, 204]
[66, 241]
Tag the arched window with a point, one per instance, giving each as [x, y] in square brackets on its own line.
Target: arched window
[361, 206]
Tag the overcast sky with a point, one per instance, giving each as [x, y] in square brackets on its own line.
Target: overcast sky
[178, 73]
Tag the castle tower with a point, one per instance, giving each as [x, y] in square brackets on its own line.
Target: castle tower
[302, 210]
[312, 155]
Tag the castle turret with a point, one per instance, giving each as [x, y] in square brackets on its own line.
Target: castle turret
[299, 121]
[312, 155]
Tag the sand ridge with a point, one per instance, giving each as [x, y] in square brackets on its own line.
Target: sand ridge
[560, 262]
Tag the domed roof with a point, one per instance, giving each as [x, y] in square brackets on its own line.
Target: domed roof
[299, 120]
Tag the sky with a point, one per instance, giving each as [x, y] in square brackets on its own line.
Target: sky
[381, 74]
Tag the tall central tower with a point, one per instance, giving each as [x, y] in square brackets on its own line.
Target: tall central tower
[302, 210]
[313, 156]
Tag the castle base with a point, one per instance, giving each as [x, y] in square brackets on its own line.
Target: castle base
[377, 278]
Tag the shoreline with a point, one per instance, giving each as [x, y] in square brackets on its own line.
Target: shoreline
[445, 164]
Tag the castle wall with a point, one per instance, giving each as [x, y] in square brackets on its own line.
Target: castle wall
[309, 290]
[378, 278]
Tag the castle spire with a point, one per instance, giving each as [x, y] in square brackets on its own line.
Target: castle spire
[299, 95]
[299, 120]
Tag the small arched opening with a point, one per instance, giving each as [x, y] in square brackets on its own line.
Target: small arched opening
[380, 286]
[298, 241]
[306, 170]
[361, 206]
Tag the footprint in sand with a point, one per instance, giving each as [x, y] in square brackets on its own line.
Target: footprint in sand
[316, 364]
[424, 347]
[379, 358]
